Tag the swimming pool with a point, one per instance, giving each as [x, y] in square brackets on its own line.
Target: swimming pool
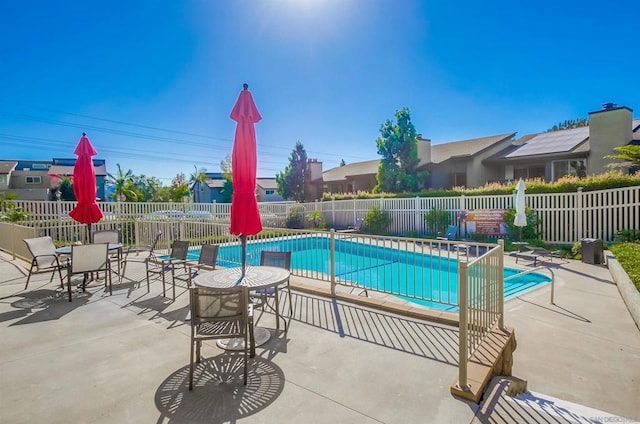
[424, 279]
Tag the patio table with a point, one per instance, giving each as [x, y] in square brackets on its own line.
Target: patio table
[255, 278]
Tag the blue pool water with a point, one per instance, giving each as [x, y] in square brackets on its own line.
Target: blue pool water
[375, 267]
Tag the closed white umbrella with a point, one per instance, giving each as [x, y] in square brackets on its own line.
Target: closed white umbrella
[521, 216]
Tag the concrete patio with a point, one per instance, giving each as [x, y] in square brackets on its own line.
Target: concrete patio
[124, 358]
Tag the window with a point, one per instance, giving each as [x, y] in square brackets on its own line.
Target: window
[39, 166]
[458, 179]
[533, 171]
[1, 179]
[267, 192]
[569, 167]
[33, 180]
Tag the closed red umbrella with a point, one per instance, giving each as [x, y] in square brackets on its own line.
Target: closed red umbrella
[84, 185]
[245, 217]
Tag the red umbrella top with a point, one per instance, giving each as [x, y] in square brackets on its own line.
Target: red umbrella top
[245, 217]
[84, 184]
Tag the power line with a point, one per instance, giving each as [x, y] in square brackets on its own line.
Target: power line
[147, 136]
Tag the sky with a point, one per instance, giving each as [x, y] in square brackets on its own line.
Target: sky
[152, 82]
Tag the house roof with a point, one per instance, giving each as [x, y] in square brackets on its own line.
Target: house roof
[635, 125]
[551, 142]
[464, 148]
[7, 166]
[215, 183]
[54, 170]
[341, 173]
[267, 183]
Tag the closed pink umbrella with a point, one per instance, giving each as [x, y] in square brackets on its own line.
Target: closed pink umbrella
[84, 185]
[245, 217]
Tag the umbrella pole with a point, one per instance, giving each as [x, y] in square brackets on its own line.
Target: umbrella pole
[89, 231]
[243, 243]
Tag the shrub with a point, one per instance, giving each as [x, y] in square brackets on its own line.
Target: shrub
[376, 221]
[295, 219]
[529, 232]
[316, 219]
[8, 211]
[576, 250]
[628, 254]
[436, 221]
[627, 236]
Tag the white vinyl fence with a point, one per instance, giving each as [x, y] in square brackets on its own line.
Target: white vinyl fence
[565, 217]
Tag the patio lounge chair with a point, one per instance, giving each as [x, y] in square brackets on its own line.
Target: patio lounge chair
[219, 314]
[206, 261]
[177, 257]
[535, 253]
[44, 259]
[261, 298]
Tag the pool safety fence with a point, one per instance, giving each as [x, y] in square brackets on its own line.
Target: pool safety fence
[564, 217]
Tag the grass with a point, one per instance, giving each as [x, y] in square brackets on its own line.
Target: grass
[628, 254]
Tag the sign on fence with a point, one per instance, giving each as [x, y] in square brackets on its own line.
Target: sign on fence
[486, 221]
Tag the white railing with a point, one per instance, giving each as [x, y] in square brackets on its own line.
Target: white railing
[481, 291]
[565, 217]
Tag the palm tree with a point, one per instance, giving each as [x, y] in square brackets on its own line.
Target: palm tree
[197, 181]
[122, 184]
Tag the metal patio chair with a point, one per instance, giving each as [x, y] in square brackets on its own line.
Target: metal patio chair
[113, 236]
[219, 314]
[177, 257]
[140, 254]
[45, 258]
[262, 297]
[206, 261]
[86, 259]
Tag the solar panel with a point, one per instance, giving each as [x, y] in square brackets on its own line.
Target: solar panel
[552, 142]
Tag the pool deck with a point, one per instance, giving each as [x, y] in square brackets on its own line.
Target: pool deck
[124, 358]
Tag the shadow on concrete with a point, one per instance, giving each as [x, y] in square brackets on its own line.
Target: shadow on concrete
[426, 339]
[160, 307]
[554, 308]
[218, 395]
[498, 407]
[43, 305]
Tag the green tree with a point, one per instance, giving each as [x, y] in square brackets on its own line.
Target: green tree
[123, 188]
[398, 146]
[145, 187]
[569, 124]
[65, 187]
[291, 182]
[629, 154]
[227, 187]
[162, 195]
[179, 188]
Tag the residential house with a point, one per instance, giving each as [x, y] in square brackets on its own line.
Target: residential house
[458, 163]
[212, 190]
[267, 190]
[37, 179]
[578, 151]
[473, 163]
